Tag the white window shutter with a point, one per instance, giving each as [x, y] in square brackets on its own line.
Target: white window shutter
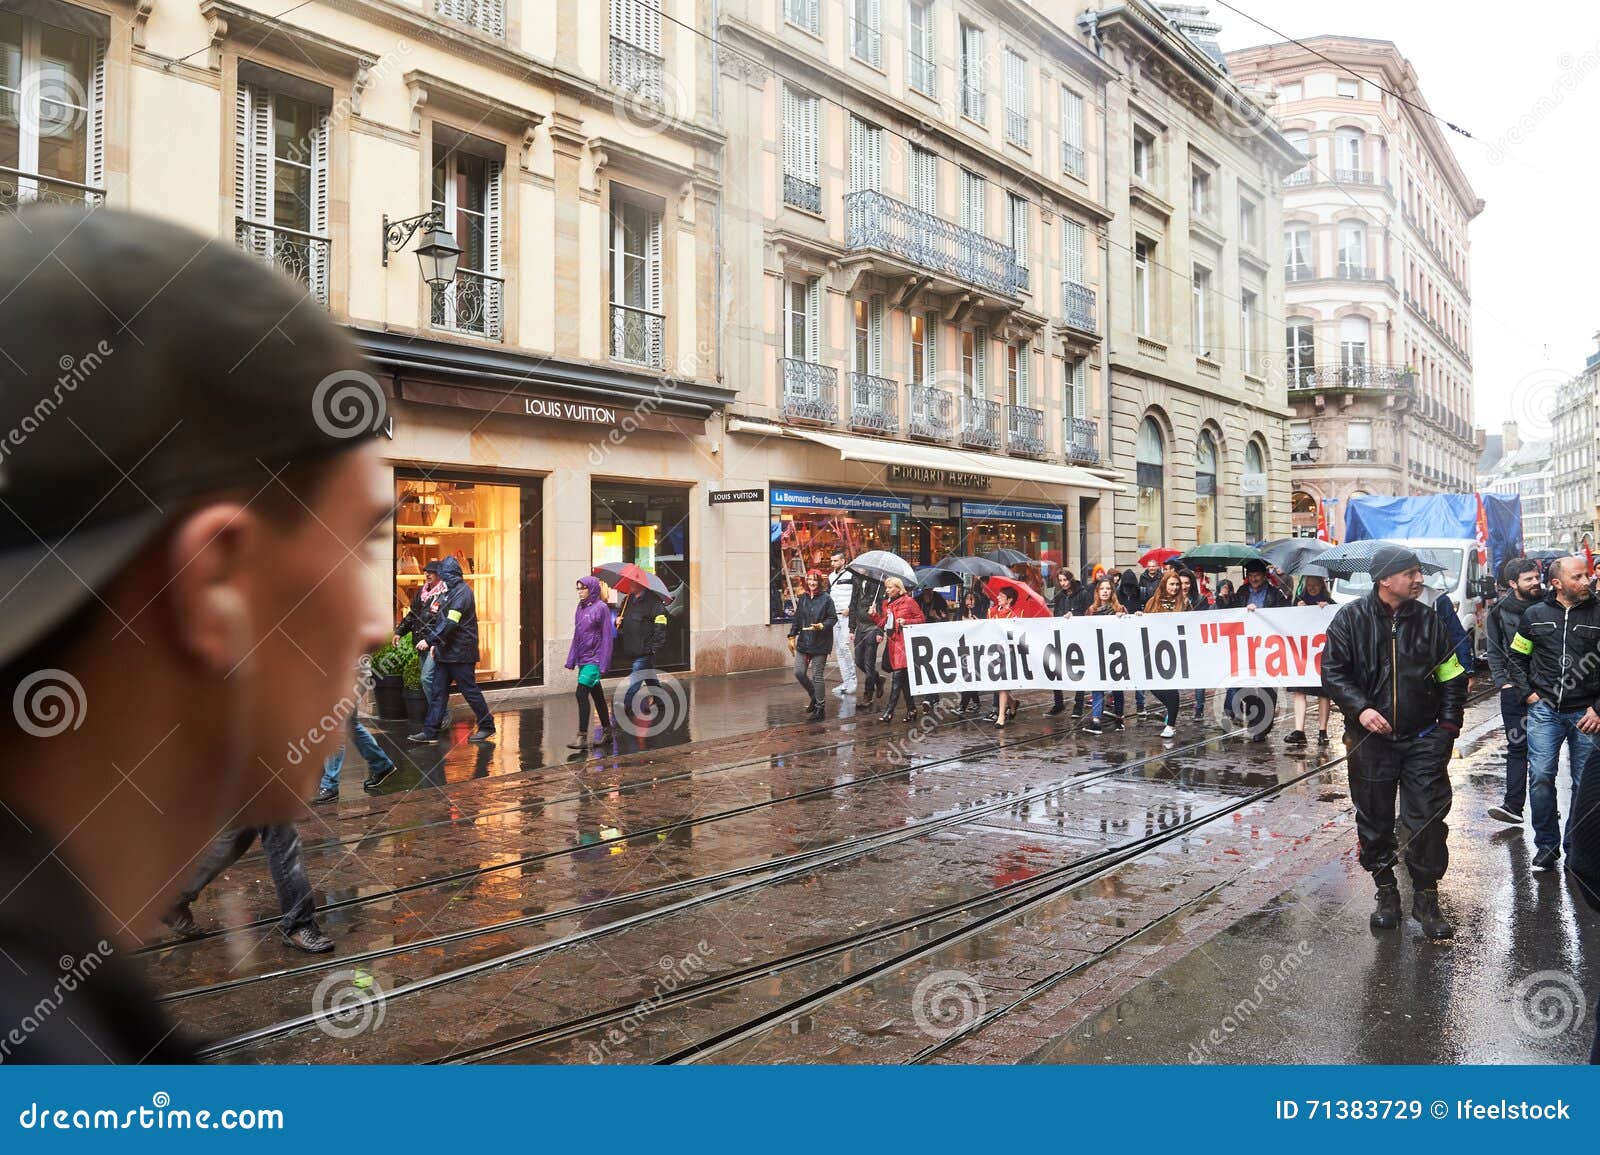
[260, 191]
[97, 117]
[1080, 400]
[318, 264]
[1025, 374]
[1072, 250]
[1016, 89]
[930, 362]
[874, 157]
[813, 303]
[858, 146]
[875, 337]
[491, 250]
[653, 265]
[791, 132]
[650, 26]
[812, 170]
[980, 360]
[242, 179]
[1019, 227]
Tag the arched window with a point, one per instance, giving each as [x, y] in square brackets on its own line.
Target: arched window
[1150, 457]
[1303, 514]
[1254, 487]
[1205, 488]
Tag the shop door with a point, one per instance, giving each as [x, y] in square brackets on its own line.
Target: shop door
[648, 526]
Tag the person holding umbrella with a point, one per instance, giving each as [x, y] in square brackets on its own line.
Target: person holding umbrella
[899, 611]
[1391, 668]
[866, 595]
[810, 639]
[1313, 592]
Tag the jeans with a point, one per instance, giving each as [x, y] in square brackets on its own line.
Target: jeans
[1548, 730]
[1097, 702]
[1418, 771]
[461, 674]
[1199, 703]
[809, 671]
[427, 674]
[282, 847]
[1514, 717]
[844, 654]
[644, 664]
[866, 658]
[370, 750]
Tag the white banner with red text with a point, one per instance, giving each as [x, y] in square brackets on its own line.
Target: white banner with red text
[1204, 650]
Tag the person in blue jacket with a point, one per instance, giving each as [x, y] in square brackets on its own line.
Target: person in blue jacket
[452, 636]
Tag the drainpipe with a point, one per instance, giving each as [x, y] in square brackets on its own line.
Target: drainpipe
[1090, 23]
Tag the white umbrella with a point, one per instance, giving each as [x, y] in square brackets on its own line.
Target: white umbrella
[880, 564]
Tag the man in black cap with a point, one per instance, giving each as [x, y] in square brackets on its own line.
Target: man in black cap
[1391, 668]
[1554, 662]
[182, 426]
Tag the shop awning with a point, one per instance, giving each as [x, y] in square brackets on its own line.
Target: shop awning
[935, 457]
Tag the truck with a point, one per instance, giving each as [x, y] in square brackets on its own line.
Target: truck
[1442, 529]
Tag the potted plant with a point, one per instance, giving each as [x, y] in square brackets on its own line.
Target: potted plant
[416, 701]
[389, 684]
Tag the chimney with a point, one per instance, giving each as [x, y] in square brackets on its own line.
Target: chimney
[1509, 441]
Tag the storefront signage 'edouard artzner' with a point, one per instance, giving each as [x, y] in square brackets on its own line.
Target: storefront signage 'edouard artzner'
[924, 475]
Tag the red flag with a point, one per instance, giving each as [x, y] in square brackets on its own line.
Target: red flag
[1322, 521]
[1483, 534]
[1588, 554]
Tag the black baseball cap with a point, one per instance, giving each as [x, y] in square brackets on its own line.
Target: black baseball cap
[143, 366]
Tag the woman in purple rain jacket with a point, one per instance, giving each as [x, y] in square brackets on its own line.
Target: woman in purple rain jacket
[593, 632]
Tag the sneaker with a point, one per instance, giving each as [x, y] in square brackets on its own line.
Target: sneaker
[1113, 715]
[581, 742]
[1506, 814]
[1546, 859]
[310, 939]
[1322, 737]
[1092, 726]
[1168, 732]
[325, 795]
[1077, 712]
[1295, 738]
[841, 691]
[180, 921]
[378, 775]
[423, 738]
[481, 735]
[1058, 708]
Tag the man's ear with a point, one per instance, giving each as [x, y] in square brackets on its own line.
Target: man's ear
[212, 556]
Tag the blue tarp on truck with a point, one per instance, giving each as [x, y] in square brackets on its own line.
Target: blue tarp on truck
[1441, 515]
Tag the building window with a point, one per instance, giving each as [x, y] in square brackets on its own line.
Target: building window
[1254, 486]
[801, 180]
[975, 362]
[974, 191]
[1302, 143]
[1072, 127]
[1144, 155]
[1200, 315]
[1288, 93]
[924, 354]
[1297, 264]
[1206, 529]
[866, 39]
[1143, 271]
[1352, 251]
[485, 15]
[1019, 373]
[280, 184]
[1249, 222]
[1349, 89]
[637, 66]
[1016, 99]
[866, 156]
[800, 327]
[1354, 334]
[1300, 349]
[1078, 388]
[1200, 199]
[867, 350]
[924, 179]
[1248, 314]
[974, 100]
[1150, 529]
[638, 327]
[804, 14]
[466, 192]
[1347, 155]
[52, 109]
[1358, 441]
[1017, 233]
[922, 72]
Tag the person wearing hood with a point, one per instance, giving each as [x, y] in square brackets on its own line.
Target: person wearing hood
[1505, 619]
[593, 634]
[899, 611]
[1133, 592]
[452, 638]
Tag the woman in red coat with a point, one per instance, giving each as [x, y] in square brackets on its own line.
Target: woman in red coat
[1005, 606]
[899, 610]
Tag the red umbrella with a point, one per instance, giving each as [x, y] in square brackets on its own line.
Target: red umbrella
[1029, 603]
[1161, 555]
[628, 578]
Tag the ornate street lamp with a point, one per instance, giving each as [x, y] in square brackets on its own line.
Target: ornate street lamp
[437, 251]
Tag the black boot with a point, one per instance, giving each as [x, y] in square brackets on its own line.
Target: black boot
[1425, 909]
[1386, 916]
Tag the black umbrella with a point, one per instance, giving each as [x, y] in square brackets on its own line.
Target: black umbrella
[978, 567]
[1009, 557]
[1353, 557]
[1292, 554]
[932, 576]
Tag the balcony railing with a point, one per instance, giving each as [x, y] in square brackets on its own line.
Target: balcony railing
[1072, 159]
[974, 103]
[22, 188]
[1292, 273]
[1017, 127]
[638, 335]
[1363, 376]
[1358, 455]
[635, 71]
[303, 256]
[1298, 177]
[921, 73]
[802, 193]
[874, 403]
[470, 304]
[980, 422]
[1025, 431]
[1077, 303]
[485, 15]
[1348, 272]
[810, 391]
[1080, 436]
[930, 412]
[918, 237]
[1353, 176]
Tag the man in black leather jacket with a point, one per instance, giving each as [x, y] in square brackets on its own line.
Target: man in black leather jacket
[1070, 598]
[1391, 668]
[1505, 619]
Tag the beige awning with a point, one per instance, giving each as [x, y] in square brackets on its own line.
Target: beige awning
[934, 457]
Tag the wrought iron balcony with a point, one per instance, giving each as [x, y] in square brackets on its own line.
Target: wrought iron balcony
[1077, 309]
[303, 256]
[470, 304]
[974, 102]
[1349, 272]
[1298, 177]
[1292, 273]
[1025, 431]
[1358, 455]
[1072, 159]
[638, 335]
[1353, 176]
[1017, 127]
[635, 71]
[930, 412]
[874, 403]
[980, 422]
[802, 193]
[485, 15]
[21, 188]
[1355, 376]
[1081, 438]
[919, 238]
[810, 391]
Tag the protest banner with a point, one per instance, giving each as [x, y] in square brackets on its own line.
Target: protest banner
[1204, 650]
